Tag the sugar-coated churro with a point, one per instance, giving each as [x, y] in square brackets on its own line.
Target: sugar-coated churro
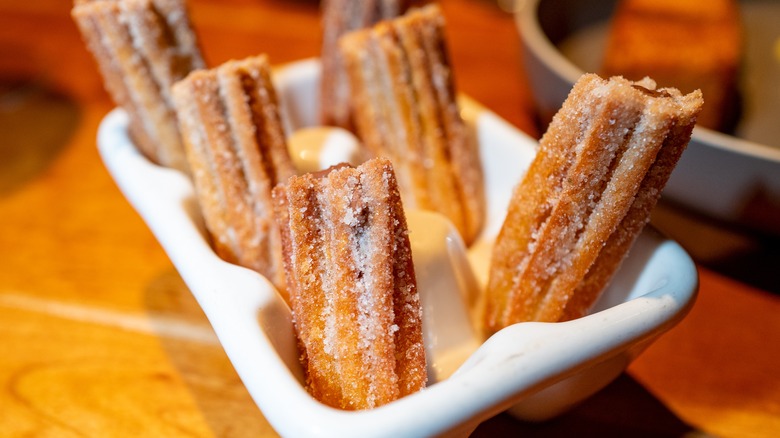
[236, 147]
[352, 286]
[142, 48]
[405, 108]
[338, 18]
[588, 193]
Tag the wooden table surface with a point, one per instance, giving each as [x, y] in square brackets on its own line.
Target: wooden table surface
[100, 337]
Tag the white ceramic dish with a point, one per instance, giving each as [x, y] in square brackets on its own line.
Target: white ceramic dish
[540, 369]
[723, 176]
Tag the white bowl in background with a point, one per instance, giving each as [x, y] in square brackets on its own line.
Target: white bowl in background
[730, 178]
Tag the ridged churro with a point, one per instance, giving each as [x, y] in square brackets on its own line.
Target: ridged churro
[405, 108]
[236, 147]
[600, 169]
[142, 48]
[338, 18]
[352, 286]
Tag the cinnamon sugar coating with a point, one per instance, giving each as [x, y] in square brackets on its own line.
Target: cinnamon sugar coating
[405, 108]
[352, 287]
[142, 48]
[600, 169]
[338, 18]
[235, 143]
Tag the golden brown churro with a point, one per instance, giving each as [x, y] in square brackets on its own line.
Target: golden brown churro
[338, 18]
[405, 108]
[352, 286]
[588, 193]
[237, 150]
[142, 48]
[686, 44]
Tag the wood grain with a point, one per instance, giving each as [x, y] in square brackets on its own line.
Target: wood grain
[99, 336]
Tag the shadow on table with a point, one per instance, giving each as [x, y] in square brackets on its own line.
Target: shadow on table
[36, 123]
[622, 409]
[194, 350]
[746, 255]
[756, 265]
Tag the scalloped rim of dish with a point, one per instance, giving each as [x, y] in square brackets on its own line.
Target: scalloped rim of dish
[538, 41]
[253, 324]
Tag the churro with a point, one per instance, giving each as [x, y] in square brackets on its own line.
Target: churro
[352, 286]
[338, 18]
[599, 171]
[237, 151]
[405, 108]
[142, 48]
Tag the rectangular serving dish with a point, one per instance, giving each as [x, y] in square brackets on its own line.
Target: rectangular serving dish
[536, 370]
